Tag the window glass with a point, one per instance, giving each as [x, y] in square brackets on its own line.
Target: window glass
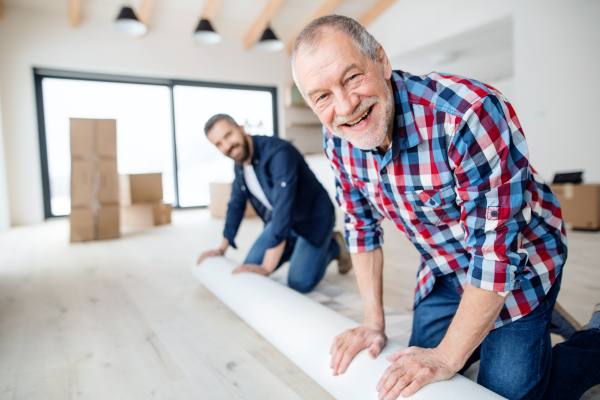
[198, 161]
[144, 130]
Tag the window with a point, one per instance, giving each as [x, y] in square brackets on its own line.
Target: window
[159, 129]
[198, 161]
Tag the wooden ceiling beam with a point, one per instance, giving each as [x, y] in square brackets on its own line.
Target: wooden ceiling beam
[326, 8]
[1, 11]
[210, 9]
[146, 10]
[75, 13]
[375, 12]
[261, 22]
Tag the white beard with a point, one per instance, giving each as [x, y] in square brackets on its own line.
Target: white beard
[373, 136]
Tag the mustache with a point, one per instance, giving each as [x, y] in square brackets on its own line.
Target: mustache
[360, 110]
[232, 149]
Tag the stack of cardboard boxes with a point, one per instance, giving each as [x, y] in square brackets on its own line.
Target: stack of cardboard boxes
[580, 204]
[94, 180]
[142, 201]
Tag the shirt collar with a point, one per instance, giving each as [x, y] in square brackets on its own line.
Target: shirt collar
[405, 132]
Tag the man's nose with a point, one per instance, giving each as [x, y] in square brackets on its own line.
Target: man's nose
[347, 103]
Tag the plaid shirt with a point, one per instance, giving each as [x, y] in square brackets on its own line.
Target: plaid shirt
[457, 181]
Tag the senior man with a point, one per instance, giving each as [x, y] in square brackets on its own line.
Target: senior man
[298, 213]
[445, 159]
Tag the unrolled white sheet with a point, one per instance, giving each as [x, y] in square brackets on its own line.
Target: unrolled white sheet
[303, 330]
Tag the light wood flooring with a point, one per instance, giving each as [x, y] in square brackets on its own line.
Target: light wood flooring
[125, 319]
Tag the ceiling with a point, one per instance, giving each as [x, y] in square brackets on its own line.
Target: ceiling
[233, 19]
[484, 53]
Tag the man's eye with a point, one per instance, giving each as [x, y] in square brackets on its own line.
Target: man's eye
[352, 77]
[322, 97]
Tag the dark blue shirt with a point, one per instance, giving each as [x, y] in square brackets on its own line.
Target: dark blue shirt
[299, 200]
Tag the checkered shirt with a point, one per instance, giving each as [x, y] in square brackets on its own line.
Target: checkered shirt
[457, 181]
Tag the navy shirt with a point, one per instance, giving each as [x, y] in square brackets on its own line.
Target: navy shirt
[299, 200]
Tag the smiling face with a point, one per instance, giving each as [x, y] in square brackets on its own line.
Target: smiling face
[350, 93]
[230, 140]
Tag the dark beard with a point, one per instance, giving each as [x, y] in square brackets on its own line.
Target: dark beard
[243, 154]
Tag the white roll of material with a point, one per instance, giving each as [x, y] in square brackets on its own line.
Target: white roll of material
[303, 330]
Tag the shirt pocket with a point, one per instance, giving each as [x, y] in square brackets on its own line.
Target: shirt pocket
[434, 206]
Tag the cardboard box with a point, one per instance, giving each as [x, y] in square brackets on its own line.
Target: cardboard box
[580, 205]
[82, 182]
[108, 225]
[106, 138]
[93, 137]
[144, 214]
[108, 181]
[82, 224]
[167, 209]
[82, 137]
[220, 193]
[141, 188]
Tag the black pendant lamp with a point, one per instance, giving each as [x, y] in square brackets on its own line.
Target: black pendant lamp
[205, 34]
[269, 42]
[127, 23]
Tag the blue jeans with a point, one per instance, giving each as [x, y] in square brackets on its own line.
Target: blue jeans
[307, 261]
[517, 360]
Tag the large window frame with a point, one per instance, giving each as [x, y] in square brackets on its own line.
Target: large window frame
[40, 73]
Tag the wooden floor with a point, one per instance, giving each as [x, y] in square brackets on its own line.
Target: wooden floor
[124, 319]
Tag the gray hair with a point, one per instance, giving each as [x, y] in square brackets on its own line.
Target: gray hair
[308, 40]
[218, 118]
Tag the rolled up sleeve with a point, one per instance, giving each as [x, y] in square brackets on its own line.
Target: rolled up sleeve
[235, 212]
[489, 156]
[362, 221]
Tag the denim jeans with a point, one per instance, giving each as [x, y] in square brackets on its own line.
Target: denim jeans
[517, 360]
[307, 261]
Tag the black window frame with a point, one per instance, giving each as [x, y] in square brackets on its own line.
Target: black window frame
[40, 73]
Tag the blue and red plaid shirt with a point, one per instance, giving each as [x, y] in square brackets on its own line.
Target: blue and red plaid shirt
[457, 181]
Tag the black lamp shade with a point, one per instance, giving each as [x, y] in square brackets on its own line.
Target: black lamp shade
[269, 42]
[128, 23]
[205, 33]
[127, 13]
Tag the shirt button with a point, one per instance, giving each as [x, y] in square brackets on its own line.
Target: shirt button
[283, 184]
[432, 202]
[243, 187]
[255, 161]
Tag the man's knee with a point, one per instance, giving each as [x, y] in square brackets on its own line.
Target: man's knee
[300, 285]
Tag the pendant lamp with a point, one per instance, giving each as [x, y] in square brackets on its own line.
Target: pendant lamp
[205, 34]
[127, 23]
[269, 42]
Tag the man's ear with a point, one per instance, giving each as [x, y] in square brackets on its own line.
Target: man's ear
[384, 62]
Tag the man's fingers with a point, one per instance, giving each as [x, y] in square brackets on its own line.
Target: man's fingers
[349, 354]
[337, 358]
[386, 374]
[336, 343]
[395, 356]
[376, 347]
[415, 385]
[394, 384]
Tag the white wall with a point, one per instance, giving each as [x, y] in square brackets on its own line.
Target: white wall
[30, 40]
[556, 46]
[4, 208]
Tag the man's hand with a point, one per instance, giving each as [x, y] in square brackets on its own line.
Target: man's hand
[257, 269]
[413, 368]
[347, 345]
[210, 253]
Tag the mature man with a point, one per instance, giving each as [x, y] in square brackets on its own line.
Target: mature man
[445, 159]
[298, 214]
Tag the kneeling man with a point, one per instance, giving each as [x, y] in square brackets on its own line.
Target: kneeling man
[445, 159]
[298, 214]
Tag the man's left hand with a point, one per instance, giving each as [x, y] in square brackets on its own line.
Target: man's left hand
[413, 368]
[257, 269]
